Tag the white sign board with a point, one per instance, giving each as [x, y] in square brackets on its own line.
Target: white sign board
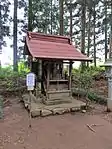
[30, 81]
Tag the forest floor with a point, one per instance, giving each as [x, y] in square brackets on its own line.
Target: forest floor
[68, 131]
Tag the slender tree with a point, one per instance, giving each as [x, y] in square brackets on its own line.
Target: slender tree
[110, 53]
[61, 16]
[94, 33]
[15, 59]
[0, 32]
[51, 16]
[105, 5]
[89, 32]
[71, 17]
[83, 26]
[30, 16]
[1, 38]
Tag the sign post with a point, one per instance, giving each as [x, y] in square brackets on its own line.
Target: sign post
[30, 83]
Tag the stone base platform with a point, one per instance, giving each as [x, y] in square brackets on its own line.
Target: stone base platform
[39, 109]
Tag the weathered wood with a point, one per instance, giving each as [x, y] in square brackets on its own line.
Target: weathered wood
[62, 80]
[70, 77]
[48, 75]
[59, 91]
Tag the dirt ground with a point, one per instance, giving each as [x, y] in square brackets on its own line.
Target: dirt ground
[67, 131]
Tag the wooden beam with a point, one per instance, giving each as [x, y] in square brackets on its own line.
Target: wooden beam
[61, 80]
[67, 62]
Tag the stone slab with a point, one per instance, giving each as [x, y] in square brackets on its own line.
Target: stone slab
[74, 109]
[60, 110]
[58, 101]
[36, 113]
[56, 109]
[45, 112]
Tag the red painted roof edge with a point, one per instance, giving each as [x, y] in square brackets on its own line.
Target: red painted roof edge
[48, 35]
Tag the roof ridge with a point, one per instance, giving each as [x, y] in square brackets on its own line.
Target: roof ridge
[49, 38]
[48, 35]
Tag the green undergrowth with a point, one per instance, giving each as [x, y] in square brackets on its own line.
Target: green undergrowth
[84, 82]
[93, 97]
[7, 72]
[9, 78]
[92, 71]
[96, 98]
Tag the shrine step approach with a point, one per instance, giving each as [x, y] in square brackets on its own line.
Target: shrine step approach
[40, 109]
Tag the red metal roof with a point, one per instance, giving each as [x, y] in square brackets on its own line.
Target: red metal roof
[52, 47]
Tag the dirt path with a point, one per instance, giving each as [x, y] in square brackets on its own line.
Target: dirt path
[54, 132]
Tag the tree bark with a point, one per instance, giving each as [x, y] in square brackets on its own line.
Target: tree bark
[71, 19]
[89, 31]
[1, 38]
[0, 33]
[83, 25]
[15, 59]
[94, 34]
[51, 17]
[105, 30]
[30, 28]
[61, 16]
[110, 51]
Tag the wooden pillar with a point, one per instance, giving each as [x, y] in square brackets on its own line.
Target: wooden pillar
[29, 62]
[48, 76]
[40, 73]
[70, 76]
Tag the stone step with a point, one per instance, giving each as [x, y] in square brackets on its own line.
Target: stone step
[58, 101]
[45, 110]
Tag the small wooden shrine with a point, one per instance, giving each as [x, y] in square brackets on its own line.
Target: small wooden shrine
[47, 55]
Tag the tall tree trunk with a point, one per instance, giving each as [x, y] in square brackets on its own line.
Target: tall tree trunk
[105, 30]
[89, 32]
[30, 27]
[94, 34]
[51, 16]
[1, 37]
[110, 52]
[61, 16]
[83, 25]
[71, 19]
[15, 59]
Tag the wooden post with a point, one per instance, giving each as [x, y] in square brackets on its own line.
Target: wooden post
[70, 76]
[48, 75]
[30, 83]
[30, 94]
[40, 74]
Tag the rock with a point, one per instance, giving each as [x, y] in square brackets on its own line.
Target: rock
[36, 113]
[83, 111]
[45, 112]
[74, 109]
[25, 99]
[26, 105]
[59, 111]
